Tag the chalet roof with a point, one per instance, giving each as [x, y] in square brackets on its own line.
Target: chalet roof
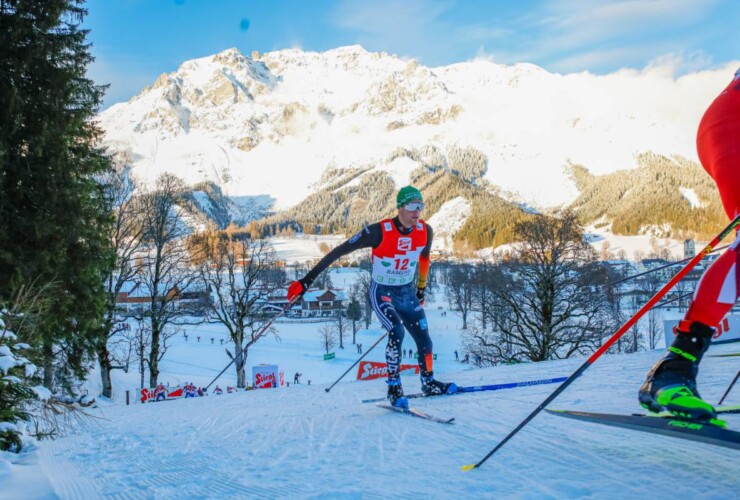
[313, 295]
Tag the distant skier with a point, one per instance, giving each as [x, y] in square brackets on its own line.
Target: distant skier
[297, 378]
[189, 390]
[218, 391]
[671, 382]
[457, 358]
[399, 246]
[160, 393]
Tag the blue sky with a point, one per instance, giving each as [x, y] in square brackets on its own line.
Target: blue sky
[136, 40]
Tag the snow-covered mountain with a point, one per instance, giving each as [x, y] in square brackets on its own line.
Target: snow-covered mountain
[269, 128]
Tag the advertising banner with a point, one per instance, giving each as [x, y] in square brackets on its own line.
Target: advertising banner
[728, 330]
[162, 393]
[369, 370]
[267, 377]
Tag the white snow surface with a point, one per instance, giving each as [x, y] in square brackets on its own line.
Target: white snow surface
[272, 126]
[692, 197]
[302, 248]
[300, 442]
[448, 220]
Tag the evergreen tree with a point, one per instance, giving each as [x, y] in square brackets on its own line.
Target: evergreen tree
[52, 209]
[15, 392]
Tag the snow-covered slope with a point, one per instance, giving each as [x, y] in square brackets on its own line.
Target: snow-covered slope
[300, 442]
[269, 125]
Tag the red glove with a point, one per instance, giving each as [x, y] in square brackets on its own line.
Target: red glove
[296, 290]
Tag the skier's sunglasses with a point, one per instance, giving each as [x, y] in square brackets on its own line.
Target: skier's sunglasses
[415, 206]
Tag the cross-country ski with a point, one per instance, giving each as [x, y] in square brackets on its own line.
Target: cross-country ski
[416, 413]
[693, 430]
[479, 388]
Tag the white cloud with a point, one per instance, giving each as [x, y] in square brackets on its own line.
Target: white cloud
[561, 35]
[568, 35]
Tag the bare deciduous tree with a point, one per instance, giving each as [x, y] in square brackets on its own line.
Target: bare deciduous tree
[460, 291]
[364, 282]
[550, 305]
[242, 273]
[113, 349]
[354, 311]
[165, 270]
[328, 335]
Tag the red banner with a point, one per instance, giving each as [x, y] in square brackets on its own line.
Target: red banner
[369, 370]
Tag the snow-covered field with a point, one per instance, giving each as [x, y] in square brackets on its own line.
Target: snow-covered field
[300, 442]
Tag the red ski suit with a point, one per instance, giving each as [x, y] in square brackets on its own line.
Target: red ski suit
[718, 145]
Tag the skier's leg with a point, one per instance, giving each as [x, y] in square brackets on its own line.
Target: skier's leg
[671, 383]
[414, 319]
[386, 312]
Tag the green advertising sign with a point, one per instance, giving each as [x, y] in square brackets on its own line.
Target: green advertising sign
[328, 356]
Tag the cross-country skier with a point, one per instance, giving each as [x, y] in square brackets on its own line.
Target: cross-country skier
[400, 246]
[671, 383]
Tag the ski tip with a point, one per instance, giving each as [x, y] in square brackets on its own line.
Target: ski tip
[468, 467]
[555, 411]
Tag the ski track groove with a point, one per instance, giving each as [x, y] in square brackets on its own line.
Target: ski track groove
[305, 444]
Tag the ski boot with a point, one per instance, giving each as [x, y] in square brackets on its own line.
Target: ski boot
[671, 382]
[431, 387]
[395, 394]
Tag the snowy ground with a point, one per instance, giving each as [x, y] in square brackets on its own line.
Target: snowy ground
[300, 442]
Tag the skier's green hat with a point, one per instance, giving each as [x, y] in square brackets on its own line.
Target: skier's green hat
[407, 194]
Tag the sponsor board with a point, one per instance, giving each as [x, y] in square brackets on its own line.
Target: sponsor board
[162, 393]
[267, 377]
[728, 330]
[369, 370]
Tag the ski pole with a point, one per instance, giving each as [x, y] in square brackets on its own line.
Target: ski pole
[355, 363]
[729, 389]
[249, 344]
[622, 330]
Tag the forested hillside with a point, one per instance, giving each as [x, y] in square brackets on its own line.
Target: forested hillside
[350, 198]
[662, 196]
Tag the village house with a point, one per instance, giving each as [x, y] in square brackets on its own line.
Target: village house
[315, 303]
[135, 297]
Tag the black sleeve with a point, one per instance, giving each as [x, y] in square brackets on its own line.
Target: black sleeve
[430, 236]
[368, 237]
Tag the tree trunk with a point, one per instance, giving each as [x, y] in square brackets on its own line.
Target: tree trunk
[240, 363]
[105, 369]
[154, 356]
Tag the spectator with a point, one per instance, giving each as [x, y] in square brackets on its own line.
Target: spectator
[297, 378]
[160, 393]
[456, 357]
